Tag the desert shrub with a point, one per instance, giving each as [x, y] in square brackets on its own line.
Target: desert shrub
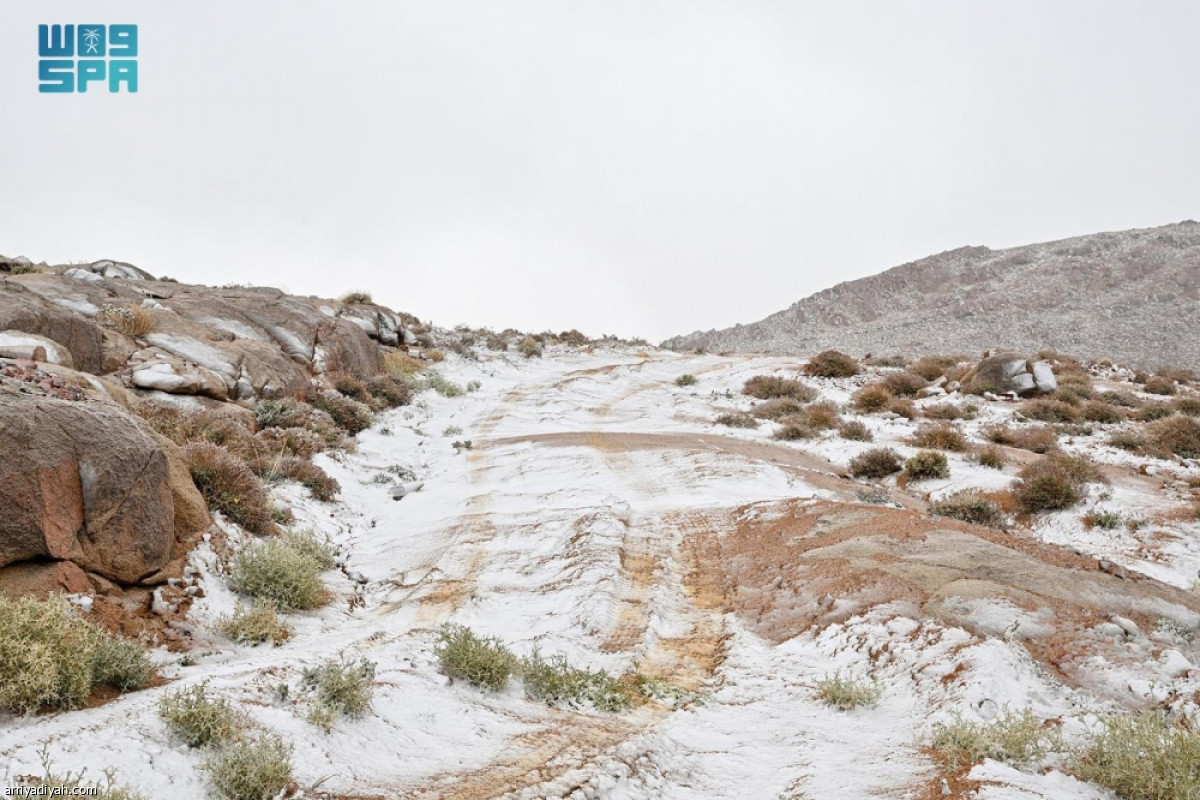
[871, 398]
[51, 658]
[1159, 385]
[927, 464]
[884, 361]
[389, 391]
[483, 662]
[1178, 435]
[307, 474]
[1104, 520]
[1065, 396]
[275, 572]
[932, 367]
[278, 413]
[350, 415]
[357, 299]
[737, 419]
[254, 625]
[831, 364]
[1045, 409]
[767, 387]
[1127, 440]
[197, 719]
[306, 543]
[1097, 411]
[904, 384]
[436, 356]
[1039, 439]
[339, 689]
[855, 431]
[847, 693]
[229, 486]
[556, 682]
[1012, 738]
[573, 337]
[950, 411]
[435, 380]
[400, 365]
[1054, 482]
[794, 429]
[352, 387]
[878, 462]
[991, 457]
[686, 380]
[530, 347]
[822, 416]
[903, 407]
[970, 505]
[298, 442]
[940, 437]
[777, 408]
[1121, 399]
[24, 269]
[1144, 756]
[210, 425]
[133, 322]
[250, 767]
[1187, 404]
[1154, 411]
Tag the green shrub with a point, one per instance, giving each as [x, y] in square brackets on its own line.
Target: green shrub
[1142, 757]
[556, 682]
[275, 572]
[389, 391]
[229, 486]
[831, 364]
[348, 414]
[198, 719]
[878, 462]
[847, 693]
[1178, 435]
[855, 431]
[50, 658]
[736, 419]
[969, 505]
[250, 767]
[357, 299]
[942, 436]
[277, 413]
[1054, 482]
[767, 387]
[306, 543]
[483, 662]
[254, 625]
[686, 380]
[927, 464]
[339, 689]
[1013, 738]
[871, 398]
[434, 380]
[1104, 520]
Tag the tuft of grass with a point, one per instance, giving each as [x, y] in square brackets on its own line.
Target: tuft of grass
[250, 767]
[847, 693]
[1018, 739]
[434, 380]
[969, 505]
[942, 436]
[768, 387]
[1119, 399]
[401, 365]
[927, 464]
[831, 364]
[1104, 413]
[483, 662]
[736, 419]
[1187, 404]
[1127, 440]
[1154, 411]
[255, 625]
[132, 322]
[1046, 409]
[855, 431]
[357, 299]
[50, 658]
[686, 380]
[229, 486]
[878, 462]
[340, 689]
[1054, 482]
[556, 682]
[276, 572]
[1144, 756]
[198, 719]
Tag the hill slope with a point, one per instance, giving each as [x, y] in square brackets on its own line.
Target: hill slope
[1131, 295]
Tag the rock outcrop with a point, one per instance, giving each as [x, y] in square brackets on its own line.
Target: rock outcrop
[1009, 373]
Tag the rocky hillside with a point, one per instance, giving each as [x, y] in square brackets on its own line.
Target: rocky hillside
[1133, 296]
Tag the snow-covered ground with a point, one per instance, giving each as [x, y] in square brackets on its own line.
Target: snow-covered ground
[571, 525]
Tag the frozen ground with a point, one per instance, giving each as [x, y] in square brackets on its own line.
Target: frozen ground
[583, 521]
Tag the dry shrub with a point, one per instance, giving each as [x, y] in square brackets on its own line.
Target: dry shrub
[401, 365]
[1157, 384]
[950, 411]
[904, 407]
[736, 419]
[307, 474]
[299, 442]
[352, 387]
[1188, 404]
[933, 367]
[1037, 439]
[777, 408]
[1178, 435]
[1047, 409]
[1054, 482]
[793, 429]
[878, 462]
[1127, 440]
[350, 415]
[904, 384]
[214, 426]
[927, 464]
[885, 361]
[971, 506]
[1065, 396]
[822, 416]
[990, 456]
[831, 364]
[942, 436]
[1120, 399]
[530, 347]
[871, 398]
[229, 486]
[767, 387]
[132, 322]
[1097, 411]
[1154, 411]
[357, 299]
[255, 625]
[855, 431]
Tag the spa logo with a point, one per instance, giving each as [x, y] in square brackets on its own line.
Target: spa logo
[72, 57]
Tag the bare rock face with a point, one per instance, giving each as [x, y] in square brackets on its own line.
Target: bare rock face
[1007, 373]
[24, 310]
[84, 481]
[41, 579]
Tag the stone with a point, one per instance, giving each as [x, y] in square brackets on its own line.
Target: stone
[1043, 377]
[40, 579]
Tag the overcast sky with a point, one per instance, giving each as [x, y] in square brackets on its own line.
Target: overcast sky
[640, 168]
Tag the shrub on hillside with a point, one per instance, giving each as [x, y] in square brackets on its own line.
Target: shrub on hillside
[737, 419]
[1120, 399]
[483, 662]
[1039, 439]
[831, 364]
[389, 391]
[777, 408]
[878, 462]
[1188, 404]
[686, 380]
[1104, 413]
[1154, 411]
[276, 572]
[1178, 435]
[855, 431]
[556, 682]
[1143, 756]
[904, 384]
[767, 387]
[903, 407]
[990, 456]
[932, 367]
[255, 625]
[132, 322]
[822, 416]
[307, 474]
[339, 689]
[847, 693]
[1054, 482]
[1045, 409]
[950, 411]
[793, 429]
[871, 398]
[942, 436]
[1159, 385]
[1127, 440]
[927, 464]
[971, 506]
[530, 347]
[298, 442]
[1013, 738]
[250, 767]
[350, 415]
[229, 486]
[357, 299]
[197, 719]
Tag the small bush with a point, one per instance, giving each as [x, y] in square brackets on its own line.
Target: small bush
[483, 662]
[277, 413]
[275, 572]
[1096, 411]
[357, 299]
[927, 464]
[686, 380]
[1127, 440]
[1045, 409]
[904, 384]
[1055, 482]
[400, 365]
[871, 398]
[1159, 385]
[991, 457]
[950, 411]
[1178, 435]
[229, 486]
[1016, 739]
[876, 463]
[1119, 399]
[767, 387]
[255, 625]
[940, 437]
[822, 416]
[971, 506]
[1187, 404]
[932, 367]
[1142, 757]
[737, 419]
[132, 322]
[434, 380]
[389, 391]
[793, 430]
[198, 720]
[556, 682]
[307, 474]
[352, 387]
[120, 663]
[1154, 411]
[250, 767]
[298, 442]
[855, 431]
[339, 689]
[23, 269]
[1104, 520]
[777, 408]
[348, 414]
[1040, 439]
[530, 347]
[831, 364]
[903, 407]
[847, 693]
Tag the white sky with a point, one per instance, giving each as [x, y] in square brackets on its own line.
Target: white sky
[641, 168]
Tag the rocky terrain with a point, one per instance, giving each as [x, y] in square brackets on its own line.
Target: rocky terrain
[1131, 296]
[370, 558]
